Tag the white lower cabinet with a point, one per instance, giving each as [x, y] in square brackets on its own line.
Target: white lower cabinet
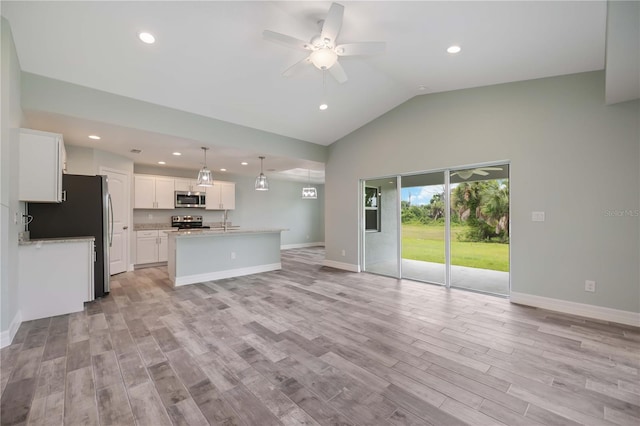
[151, 246]
[55, 277]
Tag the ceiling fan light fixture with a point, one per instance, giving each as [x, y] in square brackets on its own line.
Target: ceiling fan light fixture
[324, 58]
[465, 174]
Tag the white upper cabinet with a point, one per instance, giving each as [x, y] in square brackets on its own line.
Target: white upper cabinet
[42, 160]
[153, 192]
[188, 185]
[165, 193]
[221, 196]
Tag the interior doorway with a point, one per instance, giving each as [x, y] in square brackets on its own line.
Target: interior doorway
[119, 184]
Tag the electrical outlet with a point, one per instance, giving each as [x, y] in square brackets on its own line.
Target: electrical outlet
[590, 286]
[233, 255]
[537, 216]
[15, 218]
[150, 216]
[307, 237]
[344, 252]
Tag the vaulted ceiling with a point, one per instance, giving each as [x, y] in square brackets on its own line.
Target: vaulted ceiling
[210, 59]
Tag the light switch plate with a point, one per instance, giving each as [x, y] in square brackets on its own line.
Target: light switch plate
[537, 216]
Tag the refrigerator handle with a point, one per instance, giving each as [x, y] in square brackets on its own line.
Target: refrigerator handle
[110, 221]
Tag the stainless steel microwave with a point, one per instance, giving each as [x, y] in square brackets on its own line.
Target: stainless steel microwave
[190, 199]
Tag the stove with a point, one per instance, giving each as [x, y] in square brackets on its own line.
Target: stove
[187, 222]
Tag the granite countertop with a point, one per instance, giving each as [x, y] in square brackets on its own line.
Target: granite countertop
[40, 241]
[221, 231]
[151, 226]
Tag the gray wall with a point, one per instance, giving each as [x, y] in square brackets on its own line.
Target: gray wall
[571, 156]
[280, 207]
[45, 94]
[12, 120]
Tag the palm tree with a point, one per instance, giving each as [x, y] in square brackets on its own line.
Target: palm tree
[495, 206]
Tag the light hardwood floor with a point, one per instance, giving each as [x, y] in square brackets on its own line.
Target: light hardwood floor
[312, 345]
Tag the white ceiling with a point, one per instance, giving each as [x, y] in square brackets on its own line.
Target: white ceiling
[210, 59]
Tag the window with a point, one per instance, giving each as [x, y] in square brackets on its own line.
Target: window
[372, 209]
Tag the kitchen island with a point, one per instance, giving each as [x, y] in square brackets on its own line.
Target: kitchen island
[201, 255]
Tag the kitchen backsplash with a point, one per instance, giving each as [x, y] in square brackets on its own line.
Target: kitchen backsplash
[164, 216]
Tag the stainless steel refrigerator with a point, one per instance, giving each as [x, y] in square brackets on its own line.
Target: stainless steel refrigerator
[85, 211]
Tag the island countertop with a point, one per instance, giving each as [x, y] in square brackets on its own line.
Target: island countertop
[220, 232]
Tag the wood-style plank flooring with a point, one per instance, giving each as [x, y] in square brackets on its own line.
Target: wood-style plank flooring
[310, 345]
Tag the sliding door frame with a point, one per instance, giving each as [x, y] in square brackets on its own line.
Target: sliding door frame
[447, 195]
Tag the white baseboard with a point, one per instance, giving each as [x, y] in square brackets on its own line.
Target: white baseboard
[301, 245]
[229, 273]
[341, 265]
[580, 309]
[6, 337]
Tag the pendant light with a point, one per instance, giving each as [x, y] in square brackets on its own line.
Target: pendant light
[261, 180]
[205, 178]
[309, 193]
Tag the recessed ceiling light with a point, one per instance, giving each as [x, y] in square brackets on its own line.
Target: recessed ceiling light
[244, 163]
[161, 162]
[323, 107]
[454, 49]
[147, 38]
[177, 153]
[223, 170]
[94, 137]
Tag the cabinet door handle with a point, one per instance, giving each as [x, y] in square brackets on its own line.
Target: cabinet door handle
[125, 228]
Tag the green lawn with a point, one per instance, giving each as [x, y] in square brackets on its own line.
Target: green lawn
[426, 243]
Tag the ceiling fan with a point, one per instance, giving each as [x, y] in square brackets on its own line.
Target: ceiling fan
[481, 171]
[323, 47]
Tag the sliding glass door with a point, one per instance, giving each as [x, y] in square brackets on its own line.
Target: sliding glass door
[380, 226]
[423, 199]
[449, 227]
[480, 229]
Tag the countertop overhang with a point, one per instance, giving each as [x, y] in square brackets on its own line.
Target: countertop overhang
[220, 232]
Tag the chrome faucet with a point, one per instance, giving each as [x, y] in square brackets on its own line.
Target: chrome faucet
[224, 220]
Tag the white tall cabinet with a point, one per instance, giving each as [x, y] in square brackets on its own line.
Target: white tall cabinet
[153, 192]
[41, 163]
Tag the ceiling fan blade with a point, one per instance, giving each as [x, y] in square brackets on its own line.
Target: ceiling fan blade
[332, 24]
[490, 168]
[285, 40]
[480, 172]
[364, 48]
[338, 72]
[295, 67]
